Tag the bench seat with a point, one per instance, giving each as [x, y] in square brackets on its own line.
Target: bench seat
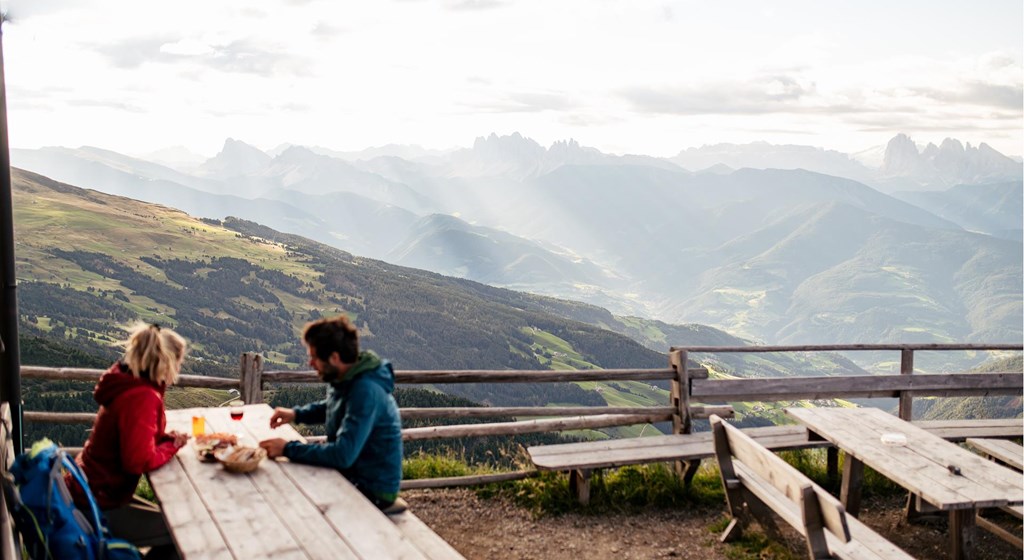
[429, 543]
[756, 479]
[580, 458]
[683, 447]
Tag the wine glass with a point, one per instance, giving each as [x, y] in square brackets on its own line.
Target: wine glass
[236, 412]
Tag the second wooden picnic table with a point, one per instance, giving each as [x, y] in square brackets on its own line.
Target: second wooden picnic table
[943, 474]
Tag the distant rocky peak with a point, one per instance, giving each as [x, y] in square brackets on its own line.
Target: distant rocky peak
[298, 154]
[235, 159]
[950, 163]
[234, 147]
[952, 146]
[514, 144]
[902, 157]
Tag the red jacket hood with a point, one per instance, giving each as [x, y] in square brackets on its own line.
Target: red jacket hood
[116, 381]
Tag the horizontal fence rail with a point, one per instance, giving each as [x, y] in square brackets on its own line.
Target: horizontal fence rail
[693, 393]
[862, 386]
[847, 347]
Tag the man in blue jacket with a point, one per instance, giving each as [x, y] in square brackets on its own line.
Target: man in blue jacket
[364, 430]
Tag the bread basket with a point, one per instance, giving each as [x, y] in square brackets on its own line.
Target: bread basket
[241, 459]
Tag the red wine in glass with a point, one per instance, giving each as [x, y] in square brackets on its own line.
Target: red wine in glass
[236, 410]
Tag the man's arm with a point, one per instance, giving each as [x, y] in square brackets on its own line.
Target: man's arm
[364, 406]
[312, 413]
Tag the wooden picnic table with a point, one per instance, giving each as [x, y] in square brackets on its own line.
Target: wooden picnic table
[280, 510]
[940, 473]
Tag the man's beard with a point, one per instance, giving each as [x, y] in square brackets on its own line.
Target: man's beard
[329, 374]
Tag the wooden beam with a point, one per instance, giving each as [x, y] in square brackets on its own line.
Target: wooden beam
[530, 426]
[473, 480]
[415, 377]
[251, 378]
[796, 388]
[519, 411]
[906, 411]
[848, 347]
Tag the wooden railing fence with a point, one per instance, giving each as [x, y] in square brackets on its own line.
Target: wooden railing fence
[689, 385]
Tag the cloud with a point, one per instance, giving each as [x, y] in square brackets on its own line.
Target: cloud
[769, 94]
[244, 56]
[118, 105]
[978, 93]
[468, 5]
[527, 103]
[134, 52]
[327, 31]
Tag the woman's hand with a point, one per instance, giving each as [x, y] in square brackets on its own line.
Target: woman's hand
[180, 439]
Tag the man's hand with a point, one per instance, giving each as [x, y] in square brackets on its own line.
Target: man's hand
[281, 416]
[274, 447]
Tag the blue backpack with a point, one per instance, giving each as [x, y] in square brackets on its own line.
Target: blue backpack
[51, 527]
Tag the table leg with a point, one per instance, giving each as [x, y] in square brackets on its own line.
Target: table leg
[962, 530]
[853, 478]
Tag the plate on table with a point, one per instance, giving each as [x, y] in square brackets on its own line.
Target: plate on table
[207, 445]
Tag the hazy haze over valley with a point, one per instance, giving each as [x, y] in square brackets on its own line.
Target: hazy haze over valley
[775, 171]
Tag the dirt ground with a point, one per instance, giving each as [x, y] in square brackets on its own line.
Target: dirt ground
[496, 528]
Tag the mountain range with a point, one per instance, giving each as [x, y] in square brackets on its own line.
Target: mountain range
[824, 249]
[89, 263]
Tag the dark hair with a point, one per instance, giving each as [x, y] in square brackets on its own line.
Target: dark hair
[327, 336]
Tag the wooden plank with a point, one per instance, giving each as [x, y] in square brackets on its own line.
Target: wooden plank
[501, 376]
[8, 537]
[524, 411]
[796, 388]
[960, 430]
[786, 479]
[865, 543]
[846, 347]
[999, 532]
[363, 527]
[93, 375]
[530, 426]
[781, 504]
[921, 465]
[471, 480]
[611, 453]
[195, 532]
[304, 522]
[1008, 452]
[250, 526]
[794, 431]
[426, 540]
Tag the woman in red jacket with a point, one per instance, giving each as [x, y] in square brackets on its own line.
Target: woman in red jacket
[129, 439]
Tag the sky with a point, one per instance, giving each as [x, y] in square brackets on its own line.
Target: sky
[630, 76]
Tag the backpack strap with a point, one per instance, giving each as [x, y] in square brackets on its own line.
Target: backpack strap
[79, 476]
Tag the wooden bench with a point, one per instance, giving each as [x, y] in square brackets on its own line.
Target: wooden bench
[429, 543]
[581, 459]
[756, 480]
[1011, 455]
[10, 543]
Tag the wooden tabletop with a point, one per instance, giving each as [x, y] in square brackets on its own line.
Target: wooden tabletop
[281, 510]
[925, 464]
[1005, 451]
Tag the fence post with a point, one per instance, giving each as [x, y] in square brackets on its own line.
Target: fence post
[251, 378]
[906, 400]
[681, 421]
[680, 394]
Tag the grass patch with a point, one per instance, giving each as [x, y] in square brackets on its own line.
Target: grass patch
[629, 489]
